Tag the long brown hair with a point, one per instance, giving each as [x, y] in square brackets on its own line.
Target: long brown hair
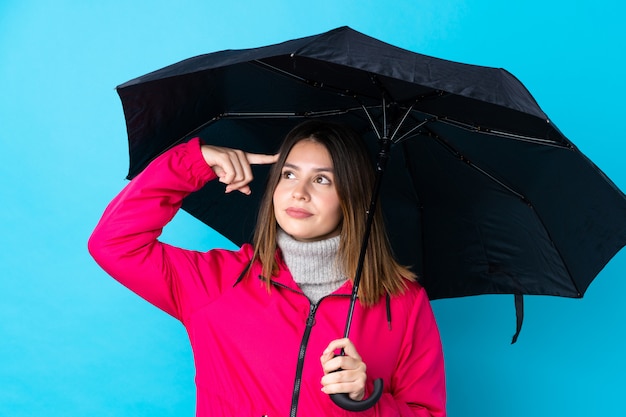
[354, 181]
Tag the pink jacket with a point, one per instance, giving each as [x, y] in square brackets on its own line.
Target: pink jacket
[250, 345]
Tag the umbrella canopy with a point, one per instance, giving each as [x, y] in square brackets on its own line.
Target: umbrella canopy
[482, 193]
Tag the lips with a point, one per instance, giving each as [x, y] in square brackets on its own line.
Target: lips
[297, 213]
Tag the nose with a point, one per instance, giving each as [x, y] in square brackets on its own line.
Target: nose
[300, 191]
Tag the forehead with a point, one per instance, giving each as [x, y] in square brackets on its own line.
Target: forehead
[308, 151]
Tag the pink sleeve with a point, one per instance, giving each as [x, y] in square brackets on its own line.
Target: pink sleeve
[125, 245]
[418, 383]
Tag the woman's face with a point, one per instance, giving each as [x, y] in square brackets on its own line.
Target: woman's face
[306, 204]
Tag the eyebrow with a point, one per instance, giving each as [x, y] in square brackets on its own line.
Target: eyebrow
[296, 167]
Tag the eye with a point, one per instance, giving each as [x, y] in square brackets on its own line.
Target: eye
[288, 175]
[322, 180]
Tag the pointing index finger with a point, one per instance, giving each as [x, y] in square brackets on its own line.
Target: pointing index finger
[261, 159]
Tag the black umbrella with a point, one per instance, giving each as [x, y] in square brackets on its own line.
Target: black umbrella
[482, 194]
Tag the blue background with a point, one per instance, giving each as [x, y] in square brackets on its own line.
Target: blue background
[73, 342]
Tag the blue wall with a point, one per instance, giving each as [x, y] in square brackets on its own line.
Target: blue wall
[74, 343]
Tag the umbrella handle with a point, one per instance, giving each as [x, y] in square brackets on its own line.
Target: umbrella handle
[344, 401]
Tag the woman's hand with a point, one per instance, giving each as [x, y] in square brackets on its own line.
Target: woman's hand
[232, 166]
[351, 378]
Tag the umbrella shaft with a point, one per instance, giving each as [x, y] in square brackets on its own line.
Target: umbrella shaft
[383, 156]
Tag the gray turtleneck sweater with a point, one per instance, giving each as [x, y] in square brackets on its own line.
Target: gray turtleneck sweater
[313, 265]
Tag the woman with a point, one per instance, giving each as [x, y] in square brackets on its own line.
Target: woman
[266, 321]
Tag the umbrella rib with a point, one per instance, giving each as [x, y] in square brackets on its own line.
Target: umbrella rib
[258, 115]
[463, 158]
[496, 180]
[409, 134]
[406, 114]
[242, 115]
[281, 71]
[191, 133]
[284, 114]
[503, 134]
[306, 81]
[371, 120]
[312, 83]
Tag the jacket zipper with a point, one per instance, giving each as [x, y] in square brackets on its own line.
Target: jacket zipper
[310, 322]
